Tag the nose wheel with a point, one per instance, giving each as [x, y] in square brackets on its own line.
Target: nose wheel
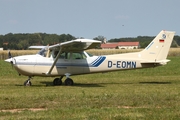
[28, 82]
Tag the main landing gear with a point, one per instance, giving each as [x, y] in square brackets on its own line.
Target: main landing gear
[58, 81]
[69, 82]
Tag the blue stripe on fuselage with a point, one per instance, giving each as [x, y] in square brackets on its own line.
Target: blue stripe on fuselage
[98, 61]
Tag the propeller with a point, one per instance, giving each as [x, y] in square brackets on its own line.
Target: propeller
[11, 59]
[9, 54]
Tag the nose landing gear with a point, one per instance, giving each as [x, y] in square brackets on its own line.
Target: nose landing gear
[28, 82]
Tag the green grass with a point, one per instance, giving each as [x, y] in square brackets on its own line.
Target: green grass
[151, 94]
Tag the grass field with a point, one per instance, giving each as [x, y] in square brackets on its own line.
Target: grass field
[151, 94]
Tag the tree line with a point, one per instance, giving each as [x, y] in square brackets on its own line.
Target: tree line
[22, 41]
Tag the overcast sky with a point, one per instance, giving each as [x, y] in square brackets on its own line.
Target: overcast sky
[90, 18]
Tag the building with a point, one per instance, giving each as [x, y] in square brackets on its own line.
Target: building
[128, 45]
[109, 46]
[121, 45]
[5, 43]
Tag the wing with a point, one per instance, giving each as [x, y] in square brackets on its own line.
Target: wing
[77, 45]
[74, 45]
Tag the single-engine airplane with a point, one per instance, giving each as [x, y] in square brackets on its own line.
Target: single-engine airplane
[69, 58]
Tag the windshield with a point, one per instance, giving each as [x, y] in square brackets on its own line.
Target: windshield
[43, 51]
[90, 55]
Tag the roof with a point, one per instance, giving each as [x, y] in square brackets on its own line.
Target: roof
[128, 43]
[114, 45]
[109, 45]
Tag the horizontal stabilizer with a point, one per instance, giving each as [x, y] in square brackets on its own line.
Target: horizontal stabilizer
[162, 62]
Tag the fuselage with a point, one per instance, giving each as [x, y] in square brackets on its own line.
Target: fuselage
[76, 63]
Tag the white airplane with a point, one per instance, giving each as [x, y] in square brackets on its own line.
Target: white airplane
[69, 58]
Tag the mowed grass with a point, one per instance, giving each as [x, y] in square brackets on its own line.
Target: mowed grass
[151, 94]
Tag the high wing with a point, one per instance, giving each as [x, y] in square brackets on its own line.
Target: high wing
[77, 45]
[73, 45]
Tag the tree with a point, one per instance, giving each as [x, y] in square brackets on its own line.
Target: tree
[100, 38]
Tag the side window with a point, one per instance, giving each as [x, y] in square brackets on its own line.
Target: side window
[78, 55]
[55, 54]
[64, 55]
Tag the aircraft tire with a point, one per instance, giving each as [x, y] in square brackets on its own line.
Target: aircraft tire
[69, 82]
[57, 82]
[27, 83]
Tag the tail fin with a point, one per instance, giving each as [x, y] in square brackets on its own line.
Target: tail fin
[157, 50]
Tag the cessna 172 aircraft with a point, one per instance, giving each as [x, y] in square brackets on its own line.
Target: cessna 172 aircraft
[69, 58]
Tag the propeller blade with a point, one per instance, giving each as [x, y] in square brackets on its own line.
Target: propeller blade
[10, 60]
[9, 54]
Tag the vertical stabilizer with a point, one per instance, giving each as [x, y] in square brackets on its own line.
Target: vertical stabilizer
[158, 49]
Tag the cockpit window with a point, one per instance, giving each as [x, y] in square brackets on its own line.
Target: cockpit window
[55, 54]
[63, 55]
[45, 52]
[78, 55]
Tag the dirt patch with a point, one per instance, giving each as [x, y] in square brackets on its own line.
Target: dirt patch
[23, 109]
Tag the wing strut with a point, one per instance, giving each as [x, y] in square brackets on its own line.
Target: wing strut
[55, 61]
